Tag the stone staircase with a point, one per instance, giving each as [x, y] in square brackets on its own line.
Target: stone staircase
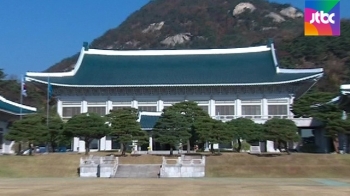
[137, 171]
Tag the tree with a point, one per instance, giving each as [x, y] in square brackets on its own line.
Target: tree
[55, 131]
[29, 129]
[192, 112]
[214, 131]
[125, 128]
[315, 104]
[2, 74]
[172, 128]
[246, 129]
[86, 126]
[281, 131]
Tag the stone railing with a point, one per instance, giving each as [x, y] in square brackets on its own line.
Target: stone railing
[183, 160]
[183, 167]
[171, 161]
[95, 166]
[115, 167]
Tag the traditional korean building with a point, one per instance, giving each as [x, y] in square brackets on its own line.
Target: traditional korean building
[10, 111]
[227, 83]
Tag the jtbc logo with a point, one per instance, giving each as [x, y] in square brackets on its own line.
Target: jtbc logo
[324, 17]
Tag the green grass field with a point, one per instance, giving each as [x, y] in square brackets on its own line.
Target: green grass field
[226, 165]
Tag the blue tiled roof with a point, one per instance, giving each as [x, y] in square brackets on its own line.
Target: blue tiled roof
[14, 108]
[181, 69]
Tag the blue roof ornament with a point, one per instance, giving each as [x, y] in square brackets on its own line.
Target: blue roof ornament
[269, 42]
[86, 46]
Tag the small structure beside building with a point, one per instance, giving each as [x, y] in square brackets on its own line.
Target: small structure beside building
[10, 111]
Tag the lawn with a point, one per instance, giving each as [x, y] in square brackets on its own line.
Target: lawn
[226, 165]
[172, 187]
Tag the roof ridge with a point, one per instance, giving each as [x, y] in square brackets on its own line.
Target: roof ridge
[178, 52]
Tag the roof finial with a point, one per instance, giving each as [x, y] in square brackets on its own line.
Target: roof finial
[86, 46]
[269, 42]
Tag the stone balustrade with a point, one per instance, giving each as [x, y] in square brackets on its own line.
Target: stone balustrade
[95, 166]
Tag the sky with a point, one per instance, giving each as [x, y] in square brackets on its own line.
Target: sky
[36, 34]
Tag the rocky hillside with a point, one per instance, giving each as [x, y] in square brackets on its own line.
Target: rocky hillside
[193, 24]
[181, 24]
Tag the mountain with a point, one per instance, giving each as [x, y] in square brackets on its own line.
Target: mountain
[184, 24]
[195, 24]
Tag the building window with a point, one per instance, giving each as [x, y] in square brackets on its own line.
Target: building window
[94, 144]
[204, 107]
[128, 103]
[278, 109]
[277, 101]
[120, 107]
[68, 112]
[227, 110]
[251, 110]
[147, 108]
[98, 110]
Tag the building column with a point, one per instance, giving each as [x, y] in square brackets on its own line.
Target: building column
[160, 105]
[238, 108]
[206, 147]
[134, 104]
[135, 146]
[150, 143]
[59, 108]
[212, 107]
[290, 103]
[108, 143]
[344, 136]
[76, 142]
[102, 143]
[84, 108]
[265, 108]
[109, 106]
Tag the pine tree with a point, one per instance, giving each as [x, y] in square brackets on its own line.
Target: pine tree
[246, 129]
[214, 131]
[125, 128]
[172, 128]
[86, 126]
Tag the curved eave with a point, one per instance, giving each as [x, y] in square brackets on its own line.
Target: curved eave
[316, 76]
[24, 107]
[15, 113]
